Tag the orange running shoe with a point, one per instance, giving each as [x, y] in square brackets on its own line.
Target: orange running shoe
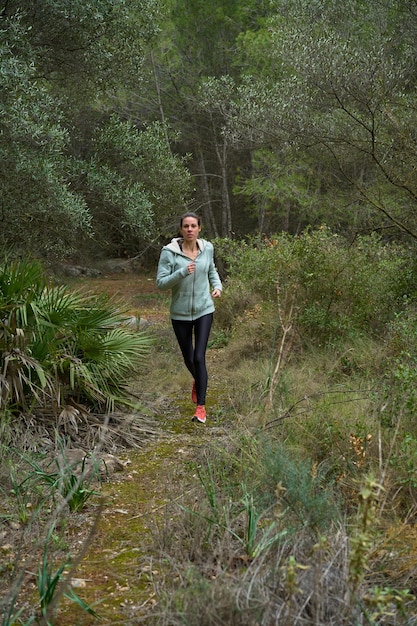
[200, 414]
[194, 394]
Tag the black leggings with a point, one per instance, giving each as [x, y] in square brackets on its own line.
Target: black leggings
[195, 357]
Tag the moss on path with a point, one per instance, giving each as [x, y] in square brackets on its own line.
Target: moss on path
[117, 575]
[117, 571]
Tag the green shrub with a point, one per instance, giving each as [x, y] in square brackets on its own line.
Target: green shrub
[349, 288]
[398, 394]
[306, 490]
[339, 289]
[404, 460]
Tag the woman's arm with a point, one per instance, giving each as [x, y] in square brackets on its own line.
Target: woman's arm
[213, 275]
[167, 276]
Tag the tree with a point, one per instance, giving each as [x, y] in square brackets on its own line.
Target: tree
[339, 88]
[36, 197]
[85, 48]
[61, 63]
[194, 65]
[131, 181]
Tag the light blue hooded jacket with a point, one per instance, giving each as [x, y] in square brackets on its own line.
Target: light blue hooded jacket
[191, 297]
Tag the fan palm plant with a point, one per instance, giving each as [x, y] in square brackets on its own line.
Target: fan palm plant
[55, 343]
[21, 376]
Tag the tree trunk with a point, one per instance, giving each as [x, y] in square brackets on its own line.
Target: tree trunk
[207, 206]
[160, 105]
[221, 152]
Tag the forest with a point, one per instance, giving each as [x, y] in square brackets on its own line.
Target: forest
[263, 116]
[289, 126]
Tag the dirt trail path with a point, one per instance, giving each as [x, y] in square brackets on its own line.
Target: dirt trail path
[117, 571]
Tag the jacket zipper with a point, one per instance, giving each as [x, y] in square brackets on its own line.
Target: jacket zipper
[192, 298]
[192, 292]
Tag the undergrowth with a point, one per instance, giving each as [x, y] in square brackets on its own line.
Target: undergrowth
[298, 501]
[294, 512]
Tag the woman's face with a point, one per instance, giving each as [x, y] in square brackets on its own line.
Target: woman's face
[190, 229]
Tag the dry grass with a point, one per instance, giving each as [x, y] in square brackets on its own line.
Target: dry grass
[269, 514]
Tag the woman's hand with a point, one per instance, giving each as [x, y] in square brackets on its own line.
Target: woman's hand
[191, 268]
[216, 293]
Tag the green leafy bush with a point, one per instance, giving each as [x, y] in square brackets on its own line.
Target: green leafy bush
[339, 289]
[398, 395]
[306, 492]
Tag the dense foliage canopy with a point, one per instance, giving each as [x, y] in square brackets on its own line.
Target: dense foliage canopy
[263, 116]
[70, 170]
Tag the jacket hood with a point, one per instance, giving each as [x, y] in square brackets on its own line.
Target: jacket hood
[174, 245]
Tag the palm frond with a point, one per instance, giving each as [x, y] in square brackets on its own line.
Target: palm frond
[20, 283]
[55, 342]
[23, 376]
